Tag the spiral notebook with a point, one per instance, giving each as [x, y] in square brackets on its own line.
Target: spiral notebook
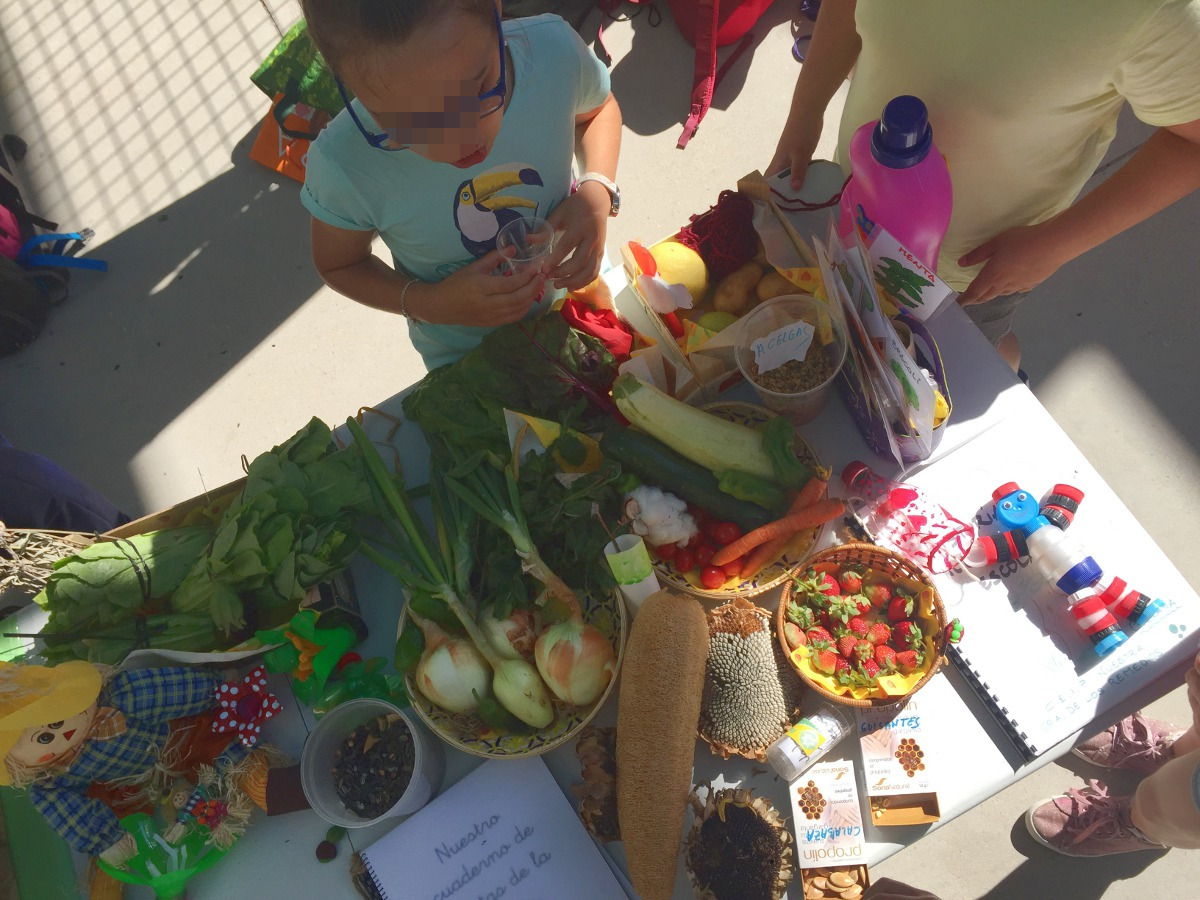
[505, 830]
[1022, 653]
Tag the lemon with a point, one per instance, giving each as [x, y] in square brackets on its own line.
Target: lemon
[680, 264]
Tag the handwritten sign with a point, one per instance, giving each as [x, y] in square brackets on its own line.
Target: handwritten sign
[506, 830]
[783, 345]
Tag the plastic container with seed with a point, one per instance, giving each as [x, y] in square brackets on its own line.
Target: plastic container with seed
[790, 349]
[807, 741]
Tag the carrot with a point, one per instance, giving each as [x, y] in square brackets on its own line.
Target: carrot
[765, 553]
[816, 514]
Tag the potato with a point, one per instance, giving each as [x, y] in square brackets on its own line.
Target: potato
[760, 255]
[734, 291]
[773, 285]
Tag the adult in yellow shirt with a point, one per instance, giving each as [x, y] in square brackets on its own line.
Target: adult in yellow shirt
[1023, 97]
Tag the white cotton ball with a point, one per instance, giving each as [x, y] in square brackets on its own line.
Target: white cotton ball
[661, 517]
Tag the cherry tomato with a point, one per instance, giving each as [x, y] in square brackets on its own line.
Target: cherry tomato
[702, 518]
[685, 560]
[666, 551]
[712, 577]
[734, 569]
[725, 533]
[704, 553]
[694, 541]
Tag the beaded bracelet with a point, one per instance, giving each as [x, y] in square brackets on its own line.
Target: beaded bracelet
[403, 300]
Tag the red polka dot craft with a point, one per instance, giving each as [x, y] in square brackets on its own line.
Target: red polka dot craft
[243, 711]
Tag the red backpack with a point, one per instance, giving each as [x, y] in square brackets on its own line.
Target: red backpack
[707, 25]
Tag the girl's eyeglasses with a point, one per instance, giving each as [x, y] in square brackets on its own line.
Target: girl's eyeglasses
[486, 104]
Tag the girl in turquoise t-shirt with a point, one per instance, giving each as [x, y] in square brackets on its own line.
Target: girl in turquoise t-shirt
[461, 123]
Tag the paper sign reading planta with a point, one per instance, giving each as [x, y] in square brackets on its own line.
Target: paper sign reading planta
[791, 342]
[906, 281]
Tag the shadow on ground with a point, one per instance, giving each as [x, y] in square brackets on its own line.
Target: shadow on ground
[1045, 873]
[190, 291]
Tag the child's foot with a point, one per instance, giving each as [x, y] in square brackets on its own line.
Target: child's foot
[1136, 743]
[1086, 822]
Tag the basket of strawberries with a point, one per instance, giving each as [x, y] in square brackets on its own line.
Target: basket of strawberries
[862, 626]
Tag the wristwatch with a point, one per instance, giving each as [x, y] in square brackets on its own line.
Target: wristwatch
[608, 184]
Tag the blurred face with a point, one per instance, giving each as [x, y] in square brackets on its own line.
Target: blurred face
[425, 92]
[40, 746]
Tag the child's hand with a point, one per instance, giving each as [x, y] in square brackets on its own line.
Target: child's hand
[477, 294]
[581, 221]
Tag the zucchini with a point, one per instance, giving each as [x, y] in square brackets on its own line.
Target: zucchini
[702, 437]
[658, 464]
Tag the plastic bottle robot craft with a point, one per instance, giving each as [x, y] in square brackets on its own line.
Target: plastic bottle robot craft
[1095, 603]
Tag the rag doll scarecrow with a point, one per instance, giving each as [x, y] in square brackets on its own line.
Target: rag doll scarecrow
[91, 749]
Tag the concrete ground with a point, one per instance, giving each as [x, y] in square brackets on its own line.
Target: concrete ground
[212, 337]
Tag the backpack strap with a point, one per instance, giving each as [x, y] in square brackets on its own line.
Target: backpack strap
[706, 76]
[58, 256]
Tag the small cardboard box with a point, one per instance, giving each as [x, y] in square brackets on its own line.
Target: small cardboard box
[827, 819]
[897, 769]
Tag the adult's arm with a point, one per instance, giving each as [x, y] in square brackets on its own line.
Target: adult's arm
[831, 55]
[1164, 169]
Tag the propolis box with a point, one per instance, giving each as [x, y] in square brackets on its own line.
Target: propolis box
[827, 817]
[897, 772]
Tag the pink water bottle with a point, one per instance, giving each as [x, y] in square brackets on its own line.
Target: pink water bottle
[898, 181]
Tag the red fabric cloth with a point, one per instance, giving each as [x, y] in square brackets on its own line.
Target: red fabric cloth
[601, 324]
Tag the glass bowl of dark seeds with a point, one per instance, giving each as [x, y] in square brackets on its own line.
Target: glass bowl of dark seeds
[790, 349]
[368, 760]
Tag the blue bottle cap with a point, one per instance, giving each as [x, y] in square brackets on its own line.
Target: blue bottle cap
[1083, 574]
[1153, 608]
[903, 136]
[1110, 643]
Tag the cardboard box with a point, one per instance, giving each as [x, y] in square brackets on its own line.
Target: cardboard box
[827, 818]
[898, 773]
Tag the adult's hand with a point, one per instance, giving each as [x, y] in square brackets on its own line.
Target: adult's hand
[795, 149]
[1014, 261]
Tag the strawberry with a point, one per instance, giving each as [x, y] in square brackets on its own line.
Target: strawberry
[906, 634]
[825, 620]
[850, 581]
[878, 595]
[794, 635]
[899, 607]
[857, 626]
[909, 660]
[845, 645]
[864, 605]
[842, 668]
[801, 615]
[825, 661]
[819, 637]
[879, 633]
[885, 657]
[816, 587]
[954, 631]
[870, 669]
[843, 608]
[864, 650]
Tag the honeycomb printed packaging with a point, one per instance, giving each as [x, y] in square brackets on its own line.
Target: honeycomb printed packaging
[897, 772]
[830, 846]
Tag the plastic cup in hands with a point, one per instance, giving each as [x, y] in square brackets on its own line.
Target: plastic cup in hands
[631, 566]
[316, 762]
[527, 243]
[790, 349]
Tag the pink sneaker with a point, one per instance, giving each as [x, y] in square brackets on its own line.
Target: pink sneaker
[1086, 822]
[1136, 743]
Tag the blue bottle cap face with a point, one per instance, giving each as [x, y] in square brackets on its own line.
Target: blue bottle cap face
[903, 136]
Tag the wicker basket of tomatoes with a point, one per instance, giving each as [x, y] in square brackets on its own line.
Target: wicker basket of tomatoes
[862, 626]
[706, 567]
